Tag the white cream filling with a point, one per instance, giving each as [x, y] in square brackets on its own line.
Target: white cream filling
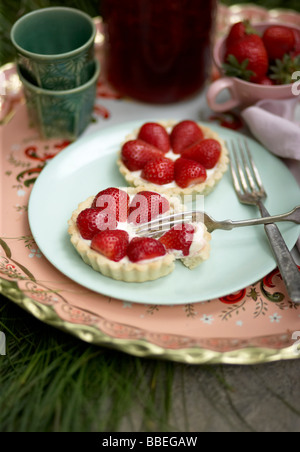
[198, 242]
[129, 228]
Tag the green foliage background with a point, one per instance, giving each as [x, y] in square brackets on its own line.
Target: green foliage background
[11, 10]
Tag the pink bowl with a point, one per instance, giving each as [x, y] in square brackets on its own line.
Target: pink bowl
[243, 94]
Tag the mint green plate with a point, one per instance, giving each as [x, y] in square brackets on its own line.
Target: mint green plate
[238, 258]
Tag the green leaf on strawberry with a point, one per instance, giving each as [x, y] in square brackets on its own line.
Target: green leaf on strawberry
[235, 69]
[282, 71]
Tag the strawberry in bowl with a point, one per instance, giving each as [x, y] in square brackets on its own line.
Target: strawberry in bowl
[103, 231]
[257, 62]
[178, 158]
[263, 53]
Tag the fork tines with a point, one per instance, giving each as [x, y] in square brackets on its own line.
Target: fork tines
[163, 224]
[245, 175]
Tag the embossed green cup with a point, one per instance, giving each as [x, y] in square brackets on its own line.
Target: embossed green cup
[61, 114]
[55, 47]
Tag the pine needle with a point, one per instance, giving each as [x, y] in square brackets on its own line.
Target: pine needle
[52, 382]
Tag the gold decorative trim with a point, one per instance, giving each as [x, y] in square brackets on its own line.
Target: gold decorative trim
[141, 347]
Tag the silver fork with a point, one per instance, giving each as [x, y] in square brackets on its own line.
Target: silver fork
[159, 226]
[250, 190]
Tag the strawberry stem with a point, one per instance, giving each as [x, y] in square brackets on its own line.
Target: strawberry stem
[249, 29]
[233, 68]
[283, 70]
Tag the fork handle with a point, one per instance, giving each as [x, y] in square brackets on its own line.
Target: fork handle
[228, 225]
[286, 264]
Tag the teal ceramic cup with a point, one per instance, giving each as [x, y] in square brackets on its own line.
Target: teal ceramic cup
[61, 114]
[55, 47]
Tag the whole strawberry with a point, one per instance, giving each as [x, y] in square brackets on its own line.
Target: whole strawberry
[136, 153]
[247, 59]
[147, 206]
[189, 172]
[145, 248]
[159, 171]
[111, 244]
[156, 135]
[278, 40]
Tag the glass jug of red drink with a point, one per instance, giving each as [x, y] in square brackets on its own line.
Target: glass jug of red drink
[158, 51]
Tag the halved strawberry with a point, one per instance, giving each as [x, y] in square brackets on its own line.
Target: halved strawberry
[184, 134]
[189, 172]
[136, 153]
[115, 201]
[91, 221]
[147, 206]
[179, 238]
[156, 135]
[207, 152]
[159, 171]
[111, 244]
[145, 248]
[279, 40]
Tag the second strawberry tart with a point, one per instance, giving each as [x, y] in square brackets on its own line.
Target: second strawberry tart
[180, 158]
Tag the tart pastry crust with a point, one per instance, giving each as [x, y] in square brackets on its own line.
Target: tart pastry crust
[128, 271]
[199, 189]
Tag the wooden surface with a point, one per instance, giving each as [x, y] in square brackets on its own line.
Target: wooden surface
[263, 398]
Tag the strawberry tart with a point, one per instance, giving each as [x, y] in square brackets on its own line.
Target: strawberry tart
[103, 230]
[184, 158]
